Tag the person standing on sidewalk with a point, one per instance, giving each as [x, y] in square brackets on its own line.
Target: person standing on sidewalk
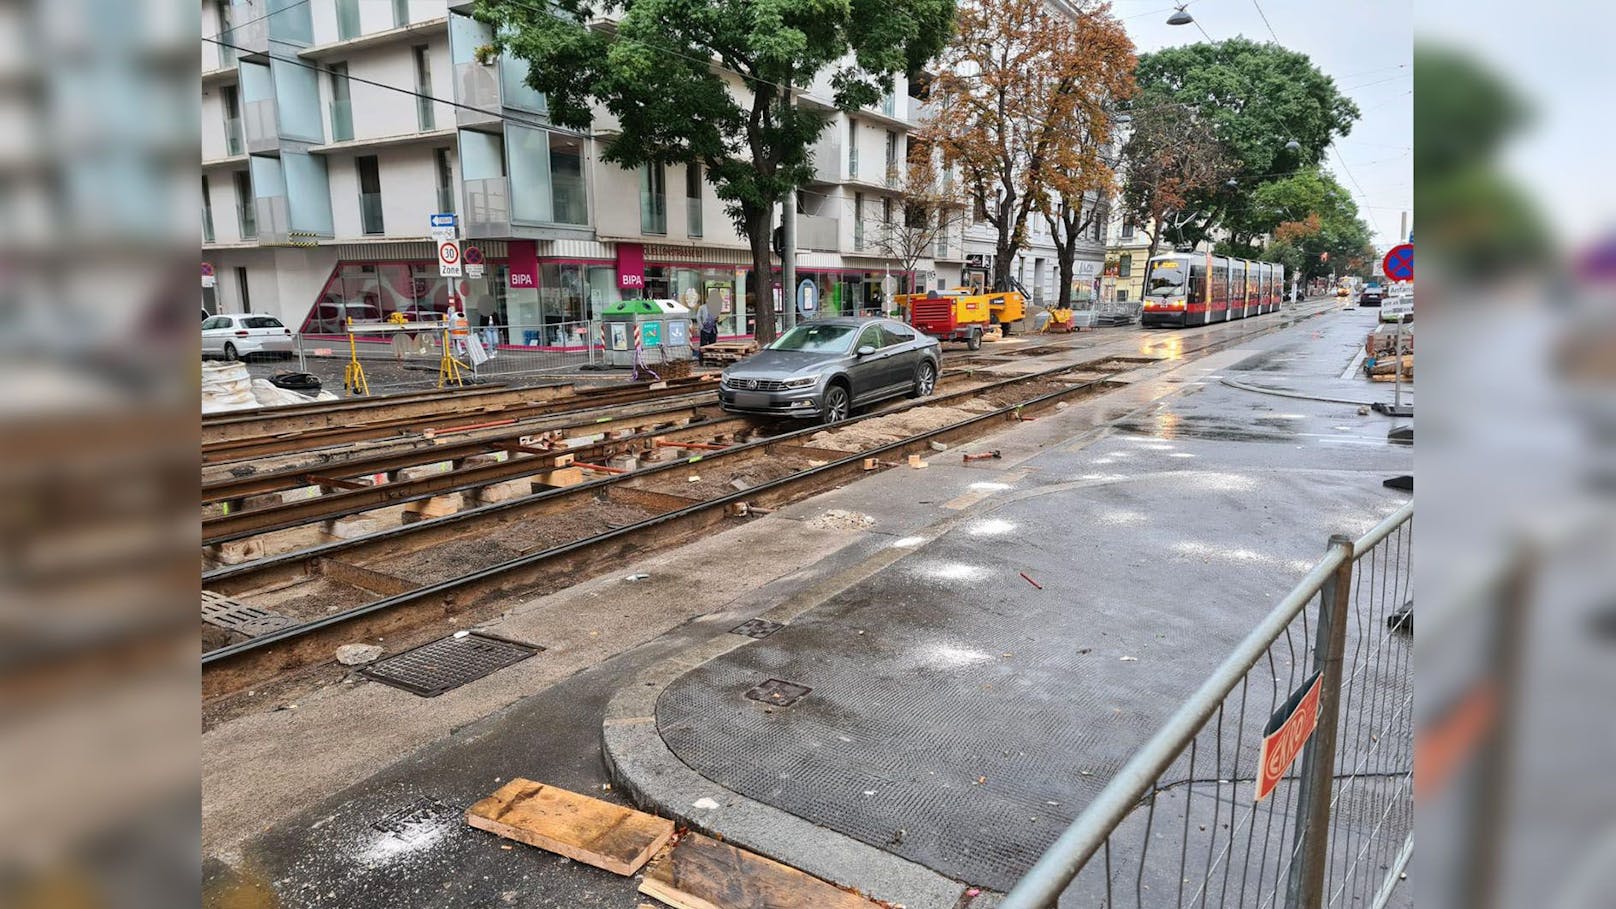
[707, 327]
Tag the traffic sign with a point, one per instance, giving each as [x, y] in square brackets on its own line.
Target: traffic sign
[1396, 308]
[449, 259]
[1399, 263]
[473, 257]
[444, 219]
[209, 279]
[1287, 731]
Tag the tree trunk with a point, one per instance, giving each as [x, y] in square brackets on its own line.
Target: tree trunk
[1066, 254]
[759, 224]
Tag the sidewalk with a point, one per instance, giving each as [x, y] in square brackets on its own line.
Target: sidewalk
[950, 697]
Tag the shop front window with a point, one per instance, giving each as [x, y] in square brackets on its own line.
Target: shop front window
[602, 288]
[561, 293]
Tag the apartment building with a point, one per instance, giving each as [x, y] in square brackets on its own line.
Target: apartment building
[333, 129]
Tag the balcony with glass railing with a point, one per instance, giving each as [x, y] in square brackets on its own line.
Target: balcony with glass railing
[425, 119]
[653, 212]
[370, 213]
[477, 91]
[488, 207]
[234, 144]
[692, 217]
[261, 129]
[446, 198]
[889, 105]
[342, 121]
[207, 224]
[226, 47]
[247, 220]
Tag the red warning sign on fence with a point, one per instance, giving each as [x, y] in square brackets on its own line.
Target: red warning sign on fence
[1287, 731]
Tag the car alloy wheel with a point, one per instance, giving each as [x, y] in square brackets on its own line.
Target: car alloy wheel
[229, 351]
[836, 404]
[925, 379]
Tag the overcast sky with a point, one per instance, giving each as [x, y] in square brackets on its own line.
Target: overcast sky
[1366, 45]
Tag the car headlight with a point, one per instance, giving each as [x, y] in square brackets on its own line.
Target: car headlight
[804, 382]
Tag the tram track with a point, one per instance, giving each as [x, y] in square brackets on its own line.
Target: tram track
[393, 584]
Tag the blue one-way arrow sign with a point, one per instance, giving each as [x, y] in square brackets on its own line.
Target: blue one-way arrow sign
[444, 219]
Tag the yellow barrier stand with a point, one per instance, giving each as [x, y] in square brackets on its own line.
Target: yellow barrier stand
[353, 375]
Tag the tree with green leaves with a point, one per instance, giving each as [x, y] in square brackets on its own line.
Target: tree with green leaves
[695, 81]
[1255, 100]
[1309, 216]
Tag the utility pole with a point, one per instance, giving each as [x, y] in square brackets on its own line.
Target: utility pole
[788, 259]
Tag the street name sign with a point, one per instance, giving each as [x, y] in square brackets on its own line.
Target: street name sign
[1287, 731]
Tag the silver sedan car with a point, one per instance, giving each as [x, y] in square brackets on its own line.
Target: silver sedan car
[825, 368]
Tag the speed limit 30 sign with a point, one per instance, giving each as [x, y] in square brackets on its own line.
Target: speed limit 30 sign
[449, 259]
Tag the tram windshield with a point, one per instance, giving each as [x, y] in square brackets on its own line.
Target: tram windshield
[1167, 278]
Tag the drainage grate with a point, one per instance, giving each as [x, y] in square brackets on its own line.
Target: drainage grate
[431, 669]
[220, 610]
[756, 628]
[778, 693]
[418, 820]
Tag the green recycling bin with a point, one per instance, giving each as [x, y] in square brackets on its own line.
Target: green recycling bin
[663, 328]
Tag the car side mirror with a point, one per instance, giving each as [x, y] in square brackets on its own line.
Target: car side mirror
[866, 350]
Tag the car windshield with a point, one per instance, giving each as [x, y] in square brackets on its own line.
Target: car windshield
[1165, 279]
[817, 338]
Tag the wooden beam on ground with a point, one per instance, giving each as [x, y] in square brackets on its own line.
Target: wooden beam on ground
[702, 873]
[617, 839]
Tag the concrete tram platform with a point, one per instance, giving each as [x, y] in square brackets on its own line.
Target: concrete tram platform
[1155, 529]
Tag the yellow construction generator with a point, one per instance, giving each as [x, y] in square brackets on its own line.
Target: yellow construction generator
[1004, 308]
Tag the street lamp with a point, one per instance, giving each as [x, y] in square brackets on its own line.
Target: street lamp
[1181, 16]
[1293, 145]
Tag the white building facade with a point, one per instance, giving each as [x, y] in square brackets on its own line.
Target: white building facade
[333, 129]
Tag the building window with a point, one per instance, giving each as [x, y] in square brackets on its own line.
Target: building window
[1125, 266]
[693, 200]
[207, 213]
[241, 289]
[401, 13]
[347, 19]
[341, 104]
[979, 210]
[232, 120]
[892, 158]
[1122, 295]
[569, 194]
[653, 193]
[1127, 228]
[370, 194]
[446, 193]
[858, 220]
[423, 89]
[852, 149]
[246, 215]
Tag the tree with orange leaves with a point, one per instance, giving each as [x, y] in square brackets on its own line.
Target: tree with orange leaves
[1025, 99]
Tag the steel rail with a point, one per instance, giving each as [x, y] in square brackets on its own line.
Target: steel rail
[298, 441]
[235, 572]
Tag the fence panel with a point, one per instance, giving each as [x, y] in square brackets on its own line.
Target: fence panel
[1182, 824]
[410, 359]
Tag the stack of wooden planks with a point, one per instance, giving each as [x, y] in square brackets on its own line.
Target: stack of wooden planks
[690, 872]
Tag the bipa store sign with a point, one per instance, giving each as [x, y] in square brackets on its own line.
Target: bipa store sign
[523, 263]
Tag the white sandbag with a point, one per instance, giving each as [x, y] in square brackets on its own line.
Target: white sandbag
[226, 386]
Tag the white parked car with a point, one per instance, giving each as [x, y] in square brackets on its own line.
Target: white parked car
[238, 336]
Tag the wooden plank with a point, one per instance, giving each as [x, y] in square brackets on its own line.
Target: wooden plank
[617, 839]
[702, 873]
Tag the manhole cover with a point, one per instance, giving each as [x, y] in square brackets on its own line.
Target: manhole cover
[431, 669]
[756, 628]
[778, 693]
[220, 610]
[417, 820]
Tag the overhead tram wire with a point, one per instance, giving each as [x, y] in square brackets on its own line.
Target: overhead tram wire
[1265, 21]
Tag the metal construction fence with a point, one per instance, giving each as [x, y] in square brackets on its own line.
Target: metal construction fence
[1182, 823]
